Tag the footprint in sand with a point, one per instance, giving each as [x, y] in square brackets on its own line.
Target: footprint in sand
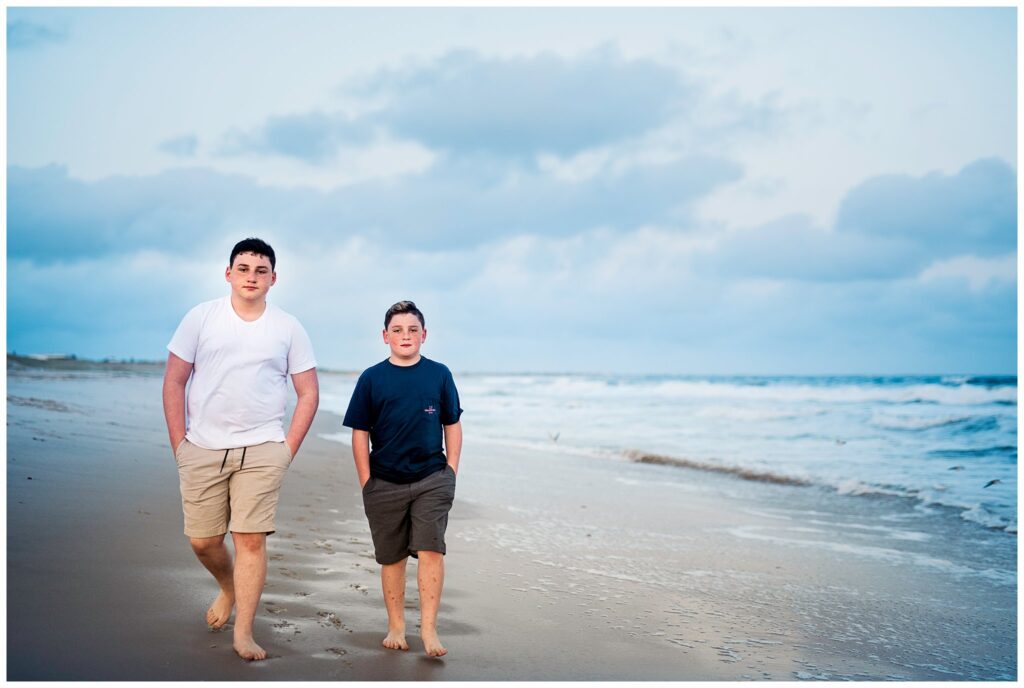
[329, 619]
[286, 627]
[325, 545]
[338, 653]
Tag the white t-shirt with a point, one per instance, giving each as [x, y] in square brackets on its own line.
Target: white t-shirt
[240, 372]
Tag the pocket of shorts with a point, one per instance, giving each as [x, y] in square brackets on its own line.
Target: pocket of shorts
[288, 452]
[367, 484]
[177, 450]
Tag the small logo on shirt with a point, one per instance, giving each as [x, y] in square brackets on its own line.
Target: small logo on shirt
[430, 410]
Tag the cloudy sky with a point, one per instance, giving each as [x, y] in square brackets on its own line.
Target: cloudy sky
[674, 190]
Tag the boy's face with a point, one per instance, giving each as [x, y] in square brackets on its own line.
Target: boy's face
[404, 335]
[250, 276]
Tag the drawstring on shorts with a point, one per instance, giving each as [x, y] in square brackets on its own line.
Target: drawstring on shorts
[240, 465]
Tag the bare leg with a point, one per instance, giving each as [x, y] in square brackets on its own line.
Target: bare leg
[250, 575]
[392, 581]
[213, 554]
[431, 581]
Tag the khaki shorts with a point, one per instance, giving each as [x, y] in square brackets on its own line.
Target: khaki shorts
[231, 489]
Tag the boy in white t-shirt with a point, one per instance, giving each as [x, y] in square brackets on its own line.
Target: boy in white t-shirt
[233, 453]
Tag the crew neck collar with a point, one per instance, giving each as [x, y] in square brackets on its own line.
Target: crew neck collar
[266, 307]
[414, 365]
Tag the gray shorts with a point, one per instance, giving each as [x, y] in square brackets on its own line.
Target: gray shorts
[405, 519]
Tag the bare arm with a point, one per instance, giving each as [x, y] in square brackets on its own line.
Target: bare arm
[307, 389]
[453, 444]
[175, 378]
[361, 454]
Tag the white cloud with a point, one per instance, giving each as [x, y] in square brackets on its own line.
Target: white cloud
[977, 272]
[384, 158]
[529, 225]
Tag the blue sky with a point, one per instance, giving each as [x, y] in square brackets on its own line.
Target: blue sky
[670, 190]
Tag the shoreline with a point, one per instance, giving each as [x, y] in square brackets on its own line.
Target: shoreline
[321, 616]
[558, 569]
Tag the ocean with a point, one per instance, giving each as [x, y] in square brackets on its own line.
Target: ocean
[940, 441]
[839, 528]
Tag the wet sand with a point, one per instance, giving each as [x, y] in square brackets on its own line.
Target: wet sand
[102, 584]
[552, 573]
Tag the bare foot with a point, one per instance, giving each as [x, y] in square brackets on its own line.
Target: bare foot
[248, 649]
[220, 611]
[432, 645]
[395, 640]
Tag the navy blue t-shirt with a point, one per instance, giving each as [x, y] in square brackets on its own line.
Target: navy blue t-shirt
[404, 408]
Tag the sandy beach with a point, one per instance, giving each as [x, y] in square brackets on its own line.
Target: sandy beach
[555, 570]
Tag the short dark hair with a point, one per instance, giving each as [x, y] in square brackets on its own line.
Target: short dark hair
[254, 245]
[403, 307]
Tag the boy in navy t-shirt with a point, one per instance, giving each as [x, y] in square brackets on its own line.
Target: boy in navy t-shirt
[403, 406]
